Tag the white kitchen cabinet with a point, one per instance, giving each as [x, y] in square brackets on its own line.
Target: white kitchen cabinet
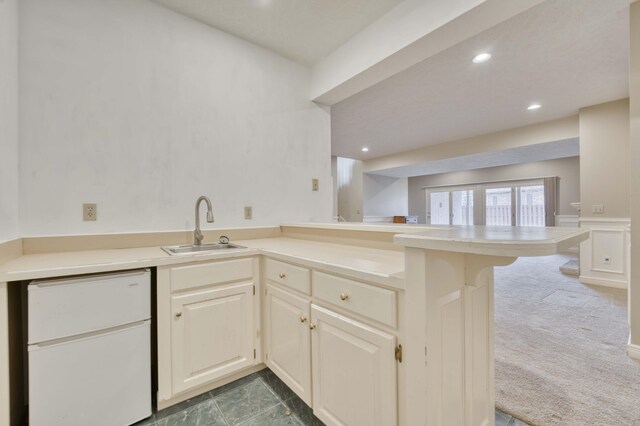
[211, 334]
[287, 275]
[288, 346]
[372, 302]
[354, 371]
[209, 326]
[345, 369]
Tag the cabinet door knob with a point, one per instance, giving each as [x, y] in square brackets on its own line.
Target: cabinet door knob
[178, 314]
[303, 318]
[282, 275]
[344, 296]
[312, 326]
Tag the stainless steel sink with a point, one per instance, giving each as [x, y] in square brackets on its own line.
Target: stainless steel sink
[192, 248]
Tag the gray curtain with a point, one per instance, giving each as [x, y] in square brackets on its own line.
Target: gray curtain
[550, 197]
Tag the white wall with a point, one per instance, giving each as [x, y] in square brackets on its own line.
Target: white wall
[385, 196]
[604, 159]
[8, 120]
[334, 175]
[350, 192]
[141, 110]
[604, 179]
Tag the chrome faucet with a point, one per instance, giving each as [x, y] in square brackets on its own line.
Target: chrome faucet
[197, 234]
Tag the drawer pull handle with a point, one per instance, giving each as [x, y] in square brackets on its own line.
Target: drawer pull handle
[312, 326]
[344, 296]
[303, 318]
[178, 314]
[282, 275]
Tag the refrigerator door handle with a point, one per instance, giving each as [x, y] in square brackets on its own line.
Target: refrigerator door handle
[86, 336]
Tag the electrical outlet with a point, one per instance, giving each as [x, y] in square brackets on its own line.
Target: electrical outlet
[597, 209]
[248, 213]
[89, 211]
[607, 260]
[314, 184]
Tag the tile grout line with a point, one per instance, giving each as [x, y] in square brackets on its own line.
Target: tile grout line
[281, 401]
[261, 412]
[257, 414]
[224, 418]
[270, 390]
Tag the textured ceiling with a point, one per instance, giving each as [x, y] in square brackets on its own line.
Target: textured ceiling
[564, 54]
[304, 31]
[525, 154]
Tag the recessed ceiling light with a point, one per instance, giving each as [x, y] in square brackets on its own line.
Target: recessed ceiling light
[534, 107]
[483, 57]
[365, 149]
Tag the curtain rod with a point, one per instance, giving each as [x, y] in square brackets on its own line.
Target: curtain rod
[488, 181]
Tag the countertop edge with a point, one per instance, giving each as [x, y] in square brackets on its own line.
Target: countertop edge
[511, 248]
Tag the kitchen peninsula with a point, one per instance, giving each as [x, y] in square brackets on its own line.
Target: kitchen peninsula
[368, 324]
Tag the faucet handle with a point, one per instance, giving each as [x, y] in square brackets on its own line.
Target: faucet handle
[223, 239]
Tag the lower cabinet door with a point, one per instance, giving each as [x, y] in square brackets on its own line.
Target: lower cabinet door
[354, 372]
[211, 334]
[288, 340]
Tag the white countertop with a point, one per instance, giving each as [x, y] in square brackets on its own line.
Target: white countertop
[31, 266]
[496, 240]
[385, 267]
[382, 266]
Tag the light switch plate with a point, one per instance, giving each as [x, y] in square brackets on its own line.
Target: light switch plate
[597, 209]
[89, 211]
[248, 213]
[314, 184]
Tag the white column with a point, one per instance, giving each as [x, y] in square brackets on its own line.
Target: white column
[4, 356]
[448, 345]
[634, 106]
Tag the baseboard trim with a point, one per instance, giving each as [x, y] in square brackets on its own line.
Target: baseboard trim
[10, 250]
[603, 282]
[623, 220]
[67, 243]
[633, 351]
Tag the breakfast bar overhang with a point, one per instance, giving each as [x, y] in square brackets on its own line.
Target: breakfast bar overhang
[448, 358]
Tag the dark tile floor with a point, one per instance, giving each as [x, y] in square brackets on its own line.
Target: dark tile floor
[260, 399]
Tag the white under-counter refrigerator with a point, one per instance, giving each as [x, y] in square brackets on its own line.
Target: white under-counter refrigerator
[90, 349]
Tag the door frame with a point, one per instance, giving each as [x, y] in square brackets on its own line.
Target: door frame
[450, 190]
[515, 197]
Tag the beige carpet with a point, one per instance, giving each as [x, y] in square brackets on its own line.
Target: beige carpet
[560, 348]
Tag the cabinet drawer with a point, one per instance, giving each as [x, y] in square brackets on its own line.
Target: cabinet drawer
[373, 302]
[185, 277]
[290, 276]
